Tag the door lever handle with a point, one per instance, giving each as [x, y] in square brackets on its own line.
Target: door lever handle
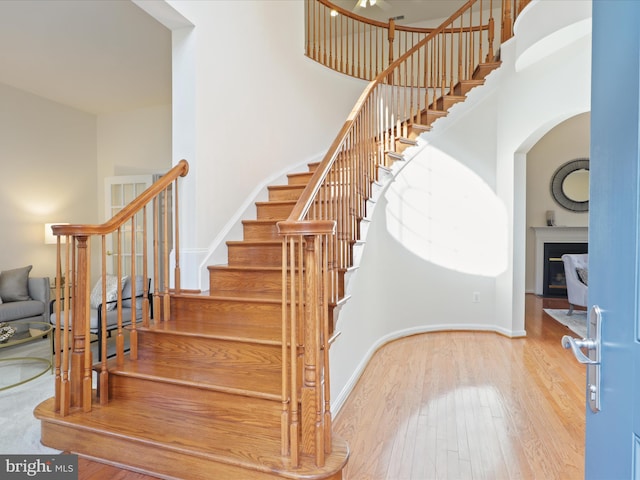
[575, 345]
[593, 345]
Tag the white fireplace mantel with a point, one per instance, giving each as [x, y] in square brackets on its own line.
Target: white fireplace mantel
[554, 235]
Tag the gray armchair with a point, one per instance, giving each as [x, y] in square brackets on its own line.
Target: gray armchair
[576, 266]
[96, 320]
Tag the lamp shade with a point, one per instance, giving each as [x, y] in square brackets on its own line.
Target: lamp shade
[49, 237]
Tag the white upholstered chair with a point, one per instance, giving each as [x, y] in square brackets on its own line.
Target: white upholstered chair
[576, 266]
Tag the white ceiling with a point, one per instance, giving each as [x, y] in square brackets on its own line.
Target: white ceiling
[97, 56]
[103, 56]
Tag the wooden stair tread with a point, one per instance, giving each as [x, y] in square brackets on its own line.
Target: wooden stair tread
[277, 202]
[285, 187]
[228, 296]
[245, 268]
[253, 448]
[260, 221]
[264, 382]
[188, 326]
[259, 243]
[246, 296]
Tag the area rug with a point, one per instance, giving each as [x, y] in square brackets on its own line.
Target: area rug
[576, 322]
[20, 429]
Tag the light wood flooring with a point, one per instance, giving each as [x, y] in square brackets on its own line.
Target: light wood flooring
[460, 405]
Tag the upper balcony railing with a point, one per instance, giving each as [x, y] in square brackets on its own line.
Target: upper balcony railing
[362, 48]
[355, 45]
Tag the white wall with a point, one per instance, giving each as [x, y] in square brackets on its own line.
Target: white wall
[134, 142]
[260, 106]
[567, 141]
[55, 159]
[415, 281]
[48, 174]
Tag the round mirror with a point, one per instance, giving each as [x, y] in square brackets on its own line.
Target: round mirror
[570, 185]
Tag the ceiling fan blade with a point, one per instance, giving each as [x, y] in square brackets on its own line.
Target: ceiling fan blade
[359, 5]
[383, 4]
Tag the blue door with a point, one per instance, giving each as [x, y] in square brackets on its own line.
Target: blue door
[613, 434]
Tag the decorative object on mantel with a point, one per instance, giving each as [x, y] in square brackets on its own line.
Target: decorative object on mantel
[6, 332]
[570, 185]
[551, 218]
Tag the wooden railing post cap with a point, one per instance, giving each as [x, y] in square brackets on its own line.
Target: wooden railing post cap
[307, 227]
[185, 167]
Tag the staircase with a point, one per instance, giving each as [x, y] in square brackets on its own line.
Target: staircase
[210, 390]
[203, 399]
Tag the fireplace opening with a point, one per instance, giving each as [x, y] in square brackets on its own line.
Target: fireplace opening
[554, 282]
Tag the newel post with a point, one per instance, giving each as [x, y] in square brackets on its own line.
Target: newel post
[80, 350]
[311, 343]
[311, 394]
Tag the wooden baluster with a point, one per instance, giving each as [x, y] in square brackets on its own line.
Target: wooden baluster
[65, 383]
[372, 73]
[87, 380]
[460, 54]
[157, 311]
[57, 333]
[324, 345]
[358, 60]
[295, 348]
[341, 66]
[480, 42]
[145, 270]
[119, 273]
[491, 34]
[391, 36]
[316, 28]
[324, 35]
[165, 257]
[103, 380]
[331, 42]
[287, 281]
[133, 333]
[507, 21]
[307, 28]
[451, 69]
[176, 237]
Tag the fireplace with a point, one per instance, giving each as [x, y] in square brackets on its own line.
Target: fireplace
[554, 282]
[545, 235]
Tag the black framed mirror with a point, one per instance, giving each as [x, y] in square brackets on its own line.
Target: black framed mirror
[570, 185]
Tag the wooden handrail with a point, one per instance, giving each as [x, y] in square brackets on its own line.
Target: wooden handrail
[73, 382]
[180, 170]
[323, 226]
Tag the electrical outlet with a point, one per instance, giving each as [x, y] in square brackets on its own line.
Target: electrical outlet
[476, 297]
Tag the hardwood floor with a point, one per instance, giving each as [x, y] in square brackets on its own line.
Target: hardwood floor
[468, 405]
[460, 405]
